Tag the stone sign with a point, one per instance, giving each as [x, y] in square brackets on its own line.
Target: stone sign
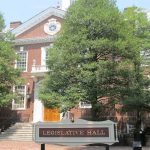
[80, 132]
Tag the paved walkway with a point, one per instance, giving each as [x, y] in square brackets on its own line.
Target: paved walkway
[14, 145]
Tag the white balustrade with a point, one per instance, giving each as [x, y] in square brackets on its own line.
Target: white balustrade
[39, 69]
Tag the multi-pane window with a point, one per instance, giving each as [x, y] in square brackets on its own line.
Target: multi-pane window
[44, 55]
[19, 102]
[85, 104]
[22, 60]
[145, 57]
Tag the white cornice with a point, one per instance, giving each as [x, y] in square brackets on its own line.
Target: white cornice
[37, 19]
[27, 41]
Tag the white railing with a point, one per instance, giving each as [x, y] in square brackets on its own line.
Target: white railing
[85, 105]
[39, 68]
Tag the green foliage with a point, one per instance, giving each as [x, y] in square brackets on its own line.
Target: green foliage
[8, 75]
[95, 56]
[139, 96]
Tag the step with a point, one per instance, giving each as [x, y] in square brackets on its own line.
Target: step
[13, 134]
[20, 127]
[16, 136]
[16, 139]
[19, 132]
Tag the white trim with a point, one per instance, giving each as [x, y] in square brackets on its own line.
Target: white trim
[85, 104]
[25, 99]
[26, 62]
[52, 22]
[38, 109]
[37, 19]
[43, 54]
[27, 41]
[26, 69]
[21, 48]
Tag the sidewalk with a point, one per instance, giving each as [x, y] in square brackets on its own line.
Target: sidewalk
[14, 145]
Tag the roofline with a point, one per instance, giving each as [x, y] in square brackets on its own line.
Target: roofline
[38, 40]
[37, 19]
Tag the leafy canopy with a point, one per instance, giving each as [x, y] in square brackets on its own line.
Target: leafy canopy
[139, 96]
[8, 75]
[94, 57]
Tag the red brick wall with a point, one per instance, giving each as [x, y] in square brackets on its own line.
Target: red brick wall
[81, 113]
[38, 30]
[34, 52]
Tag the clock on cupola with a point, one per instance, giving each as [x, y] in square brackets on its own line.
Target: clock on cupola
[52, 27]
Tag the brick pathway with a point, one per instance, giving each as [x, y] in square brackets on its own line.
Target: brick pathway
[14, 145]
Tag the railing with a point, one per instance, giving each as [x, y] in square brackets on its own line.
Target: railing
[39, 68]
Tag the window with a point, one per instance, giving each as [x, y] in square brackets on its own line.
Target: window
[44, 54]
[145, 57]
[22, 60]
[46, 57]
[20, 101]
[85, 104]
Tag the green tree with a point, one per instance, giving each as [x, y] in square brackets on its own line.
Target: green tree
[8, 75]
[94, 57]
[138, 99]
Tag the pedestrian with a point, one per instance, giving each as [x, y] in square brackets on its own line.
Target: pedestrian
[137, 144]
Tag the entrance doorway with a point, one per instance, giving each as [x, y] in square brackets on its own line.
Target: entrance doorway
[51, 114]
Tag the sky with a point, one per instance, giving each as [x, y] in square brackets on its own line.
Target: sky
[22, 10]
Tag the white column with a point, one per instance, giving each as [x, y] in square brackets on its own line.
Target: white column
[38, 111]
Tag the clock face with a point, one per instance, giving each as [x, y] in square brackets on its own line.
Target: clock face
[52, 27]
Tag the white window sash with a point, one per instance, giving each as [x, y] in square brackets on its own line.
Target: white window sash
[43, 54]
[15, 106]
[26, 67]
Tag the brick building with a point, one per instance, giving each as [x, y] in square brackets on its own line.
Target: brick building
[32, 38]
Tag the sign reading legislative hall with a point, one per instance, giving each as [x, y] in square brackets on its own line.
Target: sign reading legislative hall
[74, 132]
[80, 132]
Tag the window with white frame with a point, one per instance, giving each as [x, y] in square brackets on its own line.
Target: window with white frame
[85, 104]
[20, 101]
[22, 60]
[145, 57]
[44, 54]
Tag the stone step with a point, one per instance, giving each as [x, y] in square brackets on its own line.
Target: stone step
[13, 134]
[16, 139]
[16, 136]
[19, 132]
[20, 127]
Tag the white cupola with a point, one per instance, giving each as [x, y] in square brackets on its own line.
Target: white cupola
[65, 4]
